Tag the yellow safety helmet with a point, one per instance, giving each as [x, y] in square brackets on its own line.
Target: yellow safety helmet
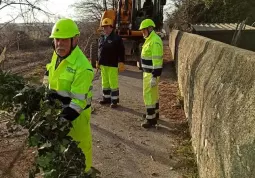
[107, 21]
[64, 28]
[147, 23]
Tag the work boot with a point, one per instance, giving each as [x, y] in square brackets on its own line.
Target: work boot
[105, 101]
[149, 123]
[144, 117]
[114, 105]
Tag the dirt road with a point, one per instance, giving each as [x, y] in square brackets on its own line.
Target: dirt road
[125, 150]
[121, 148]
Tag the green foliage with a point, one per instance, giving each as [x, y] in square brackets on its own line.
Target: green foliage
[212, 11]
[9, 86]
[229, 11]
[58, 155]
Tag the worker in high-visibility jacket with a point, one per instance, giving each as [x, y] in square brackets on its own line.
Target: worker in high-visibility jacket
[69, 77]
[111, 56]
[152, 61]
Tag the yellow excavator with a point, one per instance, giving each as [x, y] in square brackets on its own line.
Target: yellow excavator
[127, 16]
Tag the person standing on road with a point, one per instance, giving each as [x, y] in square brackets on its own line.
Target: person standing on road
[111, 55]
[69, 77]
[152, 61]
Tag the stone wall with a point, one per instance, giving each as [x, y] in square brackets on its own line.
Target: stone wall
[217, 82]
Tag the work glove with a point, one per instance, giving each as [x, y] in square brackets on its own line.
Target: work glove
[153, 82]
[97, 65]
[121, 67]
[52, 96]
[69, 113]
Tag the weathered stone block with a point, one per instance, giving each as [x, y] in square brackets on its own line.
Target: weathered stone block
[217, 82]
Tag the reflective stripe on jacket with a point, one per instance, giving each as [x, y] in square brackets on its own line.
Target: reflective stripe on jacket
[72, 78]
[152, 55]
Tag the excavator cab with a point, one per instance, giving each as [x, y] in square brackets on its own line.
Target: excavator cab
[127, 16]
[130, 14]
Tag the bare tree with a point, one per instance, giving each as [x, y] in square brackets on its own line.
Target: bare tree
[88, 34]
[91, 10]
[12, 34]
[25, 9]
[89, 13]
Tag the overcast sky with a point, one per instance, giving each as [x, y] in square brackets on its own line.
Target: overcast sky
[61, 7]
[57, 7]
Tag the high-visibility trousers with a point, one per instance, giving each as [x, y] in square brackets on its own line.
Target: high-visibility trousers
[150, 97]
[110, 83]
[81, 133]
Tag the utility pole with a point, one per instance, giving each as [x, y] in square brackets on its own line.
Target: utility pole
[18, 39]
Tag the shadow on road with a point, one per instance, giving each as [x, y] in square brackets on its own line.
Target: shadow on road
[159, 156]
[129, 110]
[132, 74]
[179, 129]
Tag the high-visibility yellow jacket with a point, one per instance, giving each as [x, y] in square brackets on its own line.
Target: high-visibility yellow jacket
[72, 78]
[152, 54]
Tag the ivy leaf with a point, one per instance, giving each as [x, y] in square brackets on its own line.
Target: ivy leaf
[48, 112]
[65, 142]
[34, 140]
[43, 161]
[21, 119]
[41, 103]
[46, 132]
[62, 128]
[54, 126]
[62, 149]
